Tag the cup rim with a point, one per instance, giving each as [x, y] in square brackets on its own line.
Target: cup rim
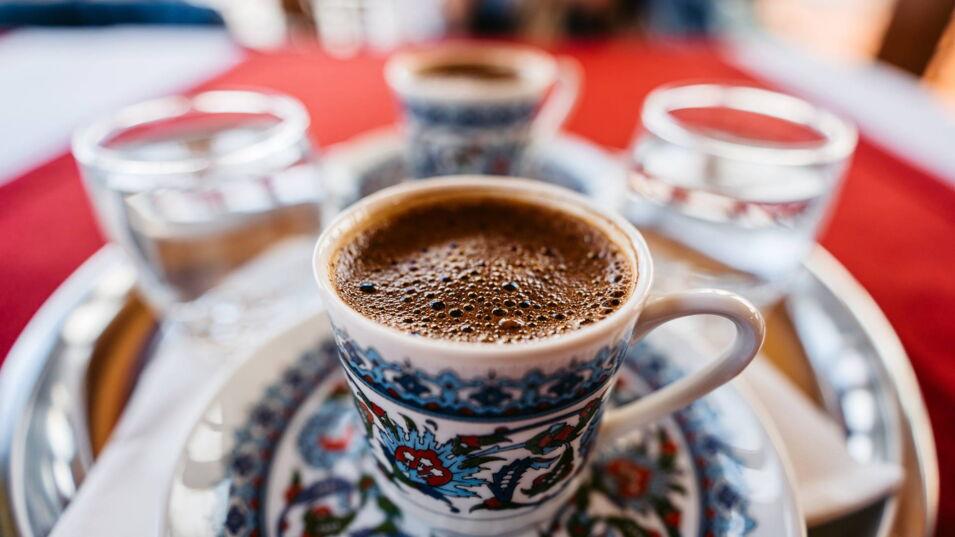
[537, 71]
[839, 136]
[551, 196]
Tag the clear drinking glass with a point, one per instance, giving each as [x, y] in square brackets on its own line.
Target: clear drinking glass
[743, 176]
[216, 198]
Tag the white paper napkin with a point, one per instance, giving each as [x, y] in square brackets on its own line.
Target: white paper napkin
[124, 493]
[829, 482]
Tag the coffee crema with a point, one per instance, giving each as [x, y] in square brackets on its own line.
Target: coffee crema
[478, 71]
[482, 269]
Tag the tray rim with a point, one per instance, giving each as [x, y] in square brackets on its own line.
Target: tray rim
[831, 273]
[40, 338]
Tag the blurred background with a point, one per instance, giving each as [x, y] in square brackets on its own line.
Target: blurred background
[914, 36]
[886, 65]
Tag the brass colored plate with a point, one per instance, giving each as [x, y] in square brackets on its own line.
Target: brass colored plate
[118, 358]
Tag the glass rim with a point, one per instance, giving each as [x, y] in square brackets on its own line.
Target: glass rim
[839, 137]
[90, 149]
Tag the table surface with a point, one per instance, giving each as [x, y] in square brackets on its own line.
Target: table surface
[893, 226]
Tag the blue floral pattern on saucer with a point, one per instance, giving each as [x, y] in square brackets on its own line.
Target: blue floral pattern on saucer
[298, 466]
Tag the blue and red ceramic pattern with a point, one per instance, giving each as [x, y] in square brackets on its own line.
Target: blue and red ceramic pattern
[675, 479]
[487, 397]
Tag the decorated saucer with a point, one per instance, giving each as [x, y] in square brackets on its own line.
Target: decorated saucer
[280, 451]
[375, 160]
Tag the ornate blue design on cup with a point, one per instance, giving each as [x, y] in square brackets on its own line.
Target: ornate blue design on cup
[434, 152]
[486, 442]
[469, 125]
[508, 114]
[509, 467]
[457, 138]
[487, 397]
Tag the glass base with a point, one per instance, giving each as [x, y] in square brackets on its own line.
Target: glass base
[251, 300]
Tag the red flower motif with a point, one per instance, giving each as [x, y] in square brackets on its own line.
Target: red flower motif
[377, 410]
[322, 512]
[668, 448]
[631, 478]
[426, 463]
[672, 519]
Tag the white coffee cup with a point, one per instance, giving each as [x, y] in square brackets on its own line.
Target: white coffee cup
[460, 122]
[487, 438]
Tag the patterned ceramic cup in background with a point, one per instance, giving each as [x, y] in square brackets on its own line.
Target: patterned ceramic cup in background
[487, 438]
[472, 108]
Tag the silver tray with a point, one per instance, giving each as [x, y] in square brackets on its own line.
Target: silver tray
[829, 337]
[45, 441]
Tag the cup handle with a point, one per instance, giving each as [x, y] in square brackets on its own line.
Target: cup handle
[750, 330]
[560, 102]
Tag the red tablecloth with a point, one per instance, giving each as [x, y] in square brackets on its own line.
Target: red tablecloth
[894, 227]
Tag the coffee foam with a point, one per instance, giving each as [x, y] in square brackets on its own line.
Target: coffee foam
[535, 71]
[481, 269]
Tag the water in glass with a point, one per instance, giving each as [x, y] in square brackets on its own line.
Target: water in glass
[741, 175]
[217, 201]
